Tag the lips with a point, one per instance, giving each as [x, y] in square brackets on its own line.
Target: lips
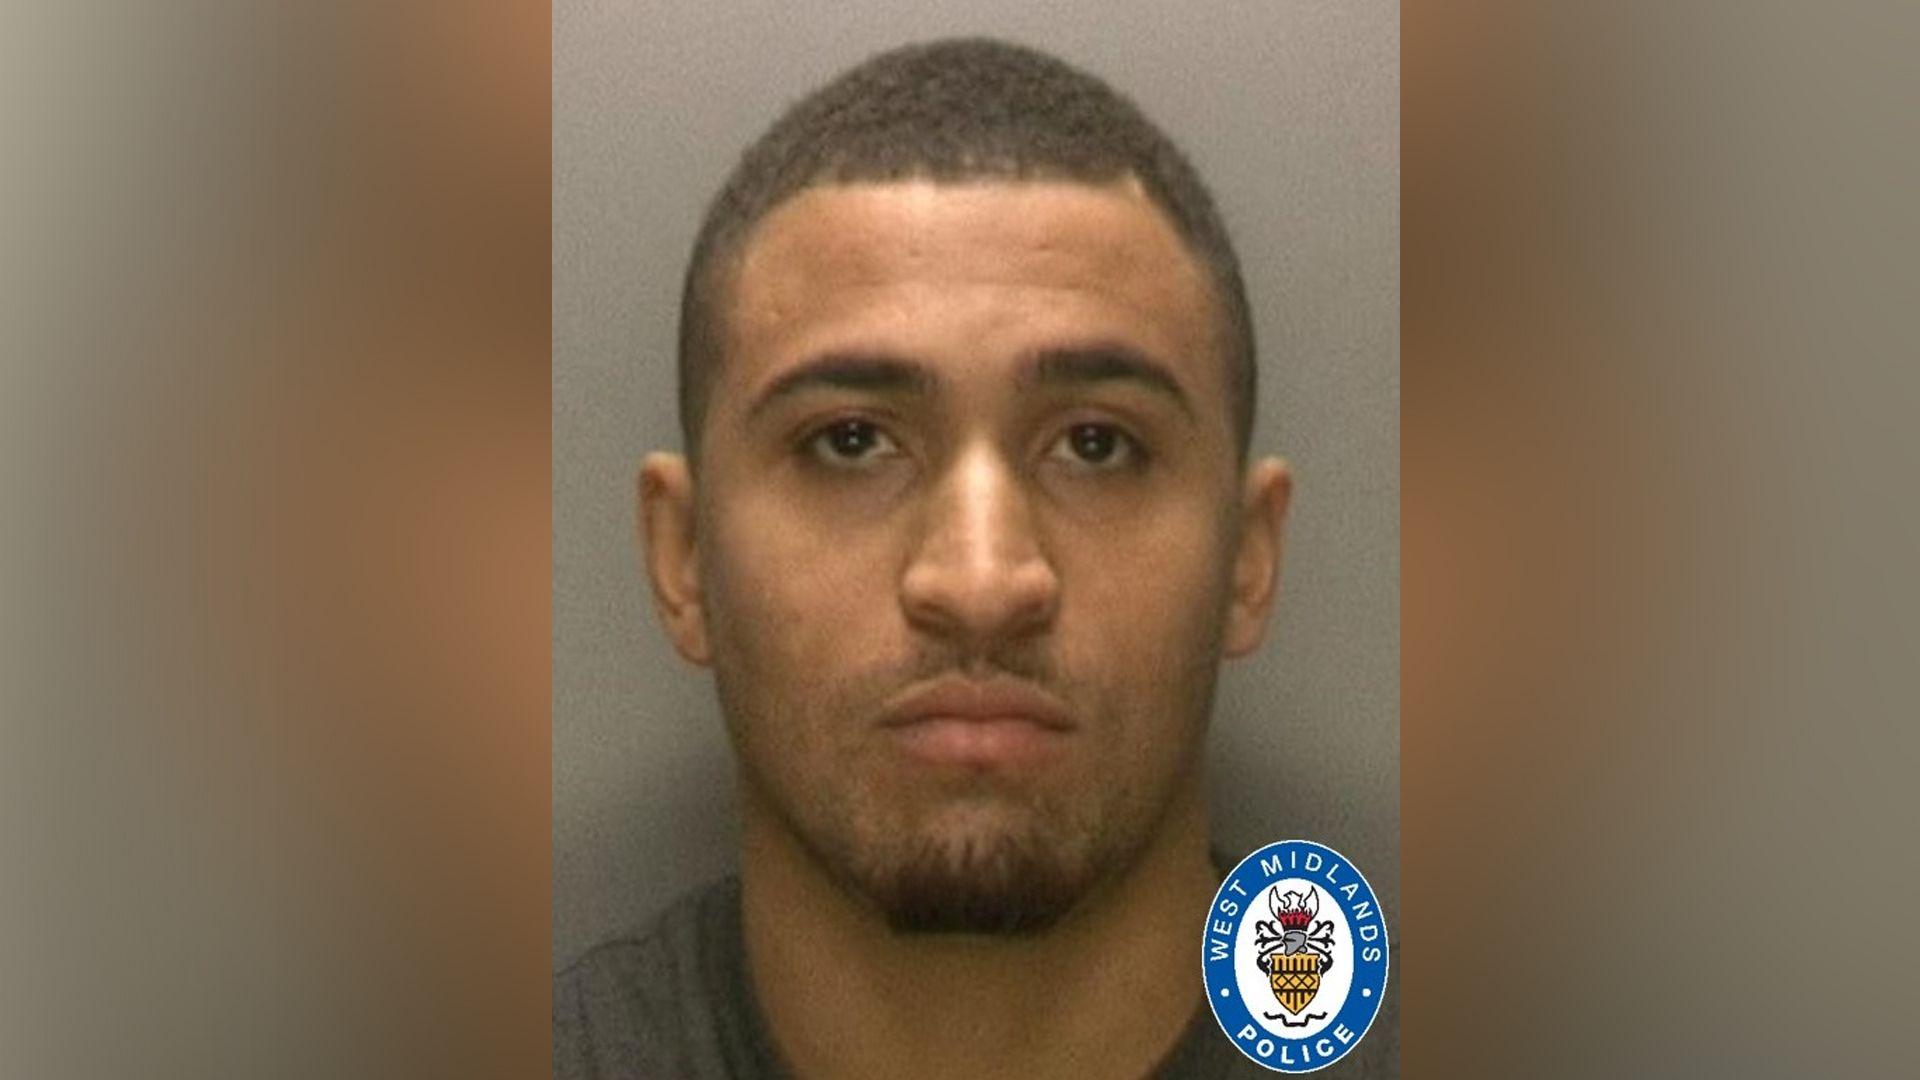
[979, 724]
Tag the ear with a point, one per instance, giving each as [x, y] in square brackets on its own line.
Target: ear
[1262, 514]
[670, 540]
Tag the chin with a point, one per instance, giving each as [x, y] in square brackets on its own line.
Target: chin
[1004, 882]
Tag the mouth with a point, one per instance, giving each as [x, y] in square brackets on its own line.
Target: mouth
[965, 723]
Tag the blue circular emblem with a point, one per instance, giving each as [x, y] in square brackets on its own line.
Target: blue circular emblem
[1295, 956]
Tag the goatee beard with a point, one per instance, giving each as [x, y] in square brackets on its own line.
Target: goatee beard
[1000, 885]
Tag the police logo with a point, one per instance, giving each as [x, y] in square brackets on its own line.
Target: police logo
[1295, 956]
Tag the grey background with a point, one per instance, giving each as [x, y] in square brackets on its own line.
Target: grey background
[1291, 112]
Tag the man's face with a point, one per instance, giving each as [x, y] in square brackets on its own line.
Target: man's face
[968, 515]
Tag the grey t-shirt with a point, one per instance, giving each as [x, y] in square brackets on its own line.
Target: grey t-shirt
[677, 1003]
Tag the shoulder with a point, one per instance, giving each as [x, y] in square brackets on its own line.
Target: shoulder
[653, 1004]
[645, 968]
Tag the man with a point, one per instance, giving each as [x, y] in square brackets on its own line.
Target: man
[965, 524]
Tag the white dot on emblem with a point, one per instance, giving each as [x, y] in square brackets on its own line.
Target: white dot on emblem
[1223, 991]
[1366, 991]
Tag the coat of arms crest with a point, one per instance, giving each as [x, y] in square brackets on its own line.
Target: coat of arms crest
[1295, 951]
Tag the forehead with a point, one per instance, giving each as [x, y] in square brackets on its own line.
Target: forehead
[964, 274]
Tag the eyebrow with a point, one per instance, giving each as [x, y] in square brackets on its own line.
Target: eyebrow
[1084, 365]
[848, 371]
[1063, 366]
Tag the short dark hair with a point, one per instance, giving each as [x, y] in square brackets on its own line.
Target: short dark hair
[955, 110]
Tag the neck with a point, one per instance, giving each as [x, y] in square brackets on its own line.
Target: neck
[1110, 989]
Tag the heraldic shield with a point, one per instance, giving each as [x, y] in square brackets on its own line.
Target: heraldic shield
[1295, 978]
[1293, 956]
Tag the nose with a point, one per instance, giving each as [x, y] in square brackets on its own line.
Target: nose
[979, 572]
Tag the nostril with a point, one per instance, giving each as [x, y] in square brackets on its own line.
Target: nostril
[982, 602]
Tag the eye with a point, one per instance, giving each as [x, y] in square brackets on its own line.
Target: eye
[1097, 446]
[851, 443]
